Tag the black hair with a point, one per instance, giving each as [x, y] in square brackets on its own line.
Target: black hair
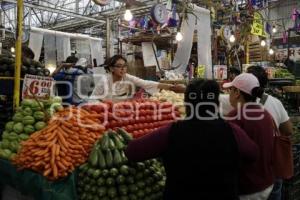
[200, 90]
[112, 61]
[260, 74]
[72, 59]
[257, 92]
[234, 70]
[27, 52]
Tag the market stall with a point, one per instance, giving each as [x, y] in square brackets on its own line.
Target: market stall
[50, 149]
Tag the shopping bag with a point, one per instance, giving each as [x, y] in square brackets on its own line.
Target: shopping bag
[283, 165]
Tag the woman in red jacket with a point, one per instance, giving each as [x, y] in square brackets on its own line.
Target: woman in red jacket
[255, 180]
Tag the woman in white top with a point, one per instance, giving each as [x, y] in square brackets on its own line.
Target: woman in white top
[118, 85]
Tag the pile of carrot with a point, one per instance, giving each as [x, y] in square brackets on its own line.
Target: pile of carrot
[63, 145]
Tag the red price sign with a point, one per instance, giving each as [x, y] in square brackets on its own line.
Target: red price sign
[37, 86]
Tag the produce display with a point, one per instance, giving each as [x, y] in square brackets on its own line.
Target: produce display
[7, 67]
[176, 99]
[283, 73]
[63, 145]
[138, 117]
[108, 174]
[30, 117]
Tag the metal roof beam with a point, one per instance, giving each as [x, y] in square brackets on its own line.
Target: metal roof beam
[59, 11]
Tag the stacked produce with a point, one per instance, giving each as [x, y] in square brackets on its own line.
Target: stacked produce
[176, 99]
[30, 117]
[64, 144]
[7, 66]
[108, 174]
[283, 73]
[138, 117]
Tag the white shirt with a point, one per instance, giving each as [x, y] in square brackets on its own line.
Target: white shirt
[272, 105]
[124, 89]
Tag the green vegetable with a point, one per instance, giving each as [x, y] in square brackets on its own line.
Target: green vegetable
[93, 158]
[27, 102]
[101, 160]
[110, 181]
[112, 145]
[18, 127]
[18, 117]
[57, 107]
[27, 111]
[23, 136]
[112, 192]
[28, 120]
[123, 190]
[109, 158]
[130, 180]
[39, 116]
[96, 173]
[133, 188]
[113, 172]
[140, 194]
[123, 157]
[102, 191]
[5, 135]
[140, 184]
[101, 181]
[9, 126]
[90, 172]
[126, 136]
[133, 197]
[117, 158]
[28, 129]
[124, 170]
[120, 179]
[119, 145]
[40, 125]
[5, 143]
[105, 142]
[84, 167]
[105, 173]
[139, 175]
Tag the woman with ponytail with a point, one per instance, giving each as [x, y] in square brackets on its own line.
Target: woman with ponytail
[255, 180]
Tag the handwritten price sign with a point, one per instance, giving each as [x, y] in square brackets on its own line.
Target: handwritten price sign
[40, 87]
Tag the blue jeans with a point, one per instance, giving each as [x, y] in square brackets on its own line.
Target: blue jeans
[276, 192]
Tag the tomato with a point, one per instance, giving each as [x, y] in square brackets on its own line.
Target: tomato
[142, 112]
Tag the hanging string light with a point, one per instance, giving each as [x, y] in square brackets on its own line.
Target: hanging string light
[271, 51]
[179, 36]
[232, 38]
[263, 43]
[128, 15]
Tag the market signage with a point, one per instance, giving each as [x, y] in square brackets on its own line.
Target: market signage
[258, 27]
[40, 87]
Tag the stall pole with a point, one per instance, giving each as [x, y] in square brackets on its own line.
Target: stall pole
[108, 38]
[18, 54]
[247, 52]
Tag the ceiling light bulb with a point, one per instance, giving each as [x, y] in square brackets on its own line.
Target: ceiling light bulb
[274, 29]
[179, 36]
[128, 15]
[12, 50]
[263, 43]
[232, 38]
[271, 51]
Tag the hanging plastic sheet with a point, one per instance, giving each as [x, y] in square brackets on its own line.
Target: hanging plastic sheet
[97, 51]
[202, 25]
[63, 47]
[184, 46]
[50, 50]
[204, 40]
[35, 43]
[83, 49]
